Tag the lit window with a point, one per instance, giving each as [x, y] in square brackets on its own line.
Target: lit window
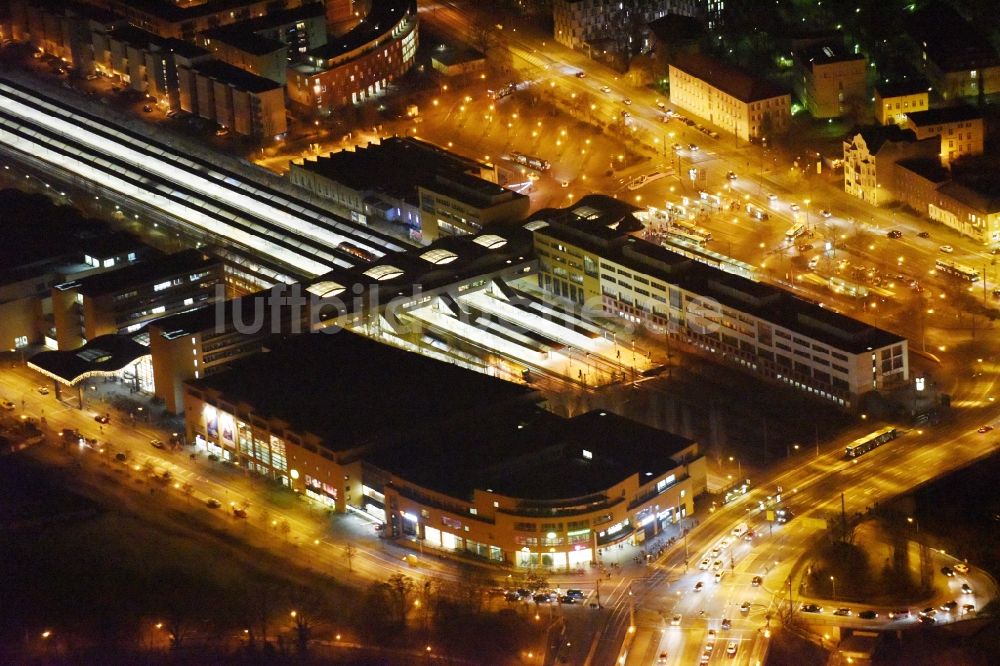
[490, 241]
[383, 272]
[439, 256]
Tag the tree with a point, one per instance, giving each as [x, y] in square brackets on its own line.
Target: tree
[349, 552]
[400, 589]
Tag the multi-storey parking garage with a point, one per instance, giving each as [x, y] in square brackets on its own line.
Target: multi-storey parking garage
[292, 238]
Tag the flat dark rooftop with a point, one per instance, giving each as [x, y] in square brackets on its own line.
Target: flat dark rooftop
[823, 54]
[952, 43]
[730, 79]
[383, 14]
[144, 272]
[904, 87]
[38, 234]
[395, 166]
[242, 79]
[168, 11]
[351, 391]
[533, 454]
[236, 35]
[143, 39]
[926, 167]
[944, 114]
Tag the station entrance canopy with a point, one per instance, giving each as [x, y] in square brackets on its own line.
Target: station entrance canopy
[104, 356]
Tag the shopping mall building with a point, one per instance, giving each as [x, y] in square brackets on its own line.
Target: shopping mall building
[444, 457]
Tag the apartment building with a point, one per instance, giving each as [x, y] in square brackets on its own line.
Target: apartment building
[869, 156]
[755, 327]
[242, 102]
[360, 64]
[893, 101]
[729, 98]
[960, 128]
[125, 300]
[928, 188]
[578, 23]
[955, 55]
[828, 79]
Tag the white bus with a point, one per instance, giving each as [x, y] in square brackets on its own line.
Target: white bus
[691, 228]
[645, 179]
[957, 270]
[675, 236]
[795, 231]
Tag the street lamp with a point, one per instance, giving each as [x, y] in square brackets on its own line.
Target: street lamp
[833, 582]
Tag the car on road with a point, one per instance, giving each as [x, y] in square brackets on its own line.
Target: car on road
[566, 599]
[811, 608]
[512, 596]
[805, 247]
[627, 102]
[826, 214]
[662, 659]
[715, 551]
[928, 612]
[795, 208]
[717, 565]
[693, 147]
[966, 588]
[102, 418]
[731, 175]
[745, 607]
[757, 580]
[44, 390]
[581, 75]
[661, 105]
[843, 612]
[961, 567]
[678, 147]
[985, 428]
[147, 108]
[121, 456]
[675, 621]
[968, 608]
[926, 619]
[711, 634]
[894, 233]
[157, 444]
[605, 89]
[923, 234]
[948, 606]
[542, 598]
[719, 575]
[239, 513]
[868, 615]
[575, 593]
[948, 571]
[213, 503]
[731, 648]
[899, 614]
[698, 586]
[947, 249]
[705, 564]
[772, 197]
[727, 623]
[6, 404]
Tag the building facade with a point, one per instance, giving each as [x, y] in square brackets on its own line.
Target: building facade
[237, 100]
[829, 80]
[960, 128]
[894, 101]
[579, 22]
[753, 326]
[360, 64]
[429, 190]
[124, 300]
[727, 97]
[926, 187]
[869, 157]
